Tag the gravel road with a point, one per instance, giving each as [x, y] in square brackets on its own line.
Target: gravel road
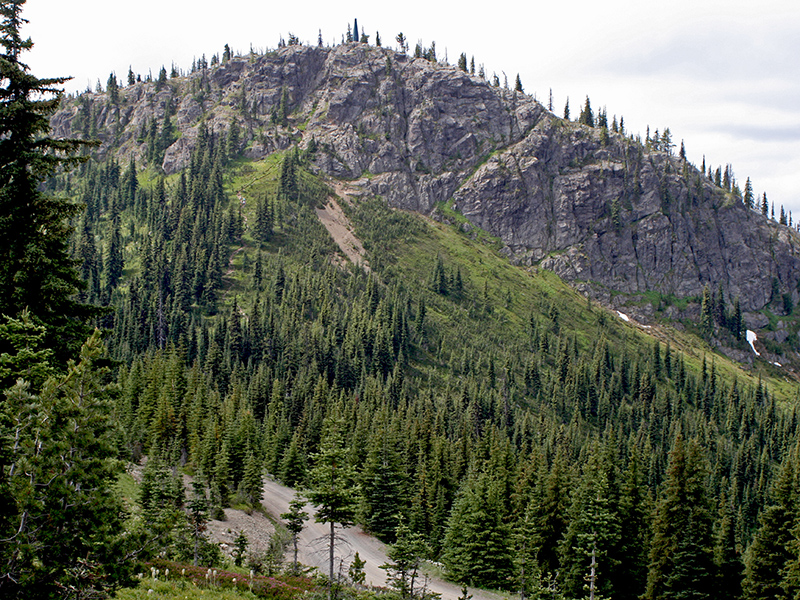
[312, 546]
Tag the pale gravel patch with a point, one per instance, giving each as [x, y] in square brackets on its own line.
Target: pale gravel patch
[340, 229]
[257, 527]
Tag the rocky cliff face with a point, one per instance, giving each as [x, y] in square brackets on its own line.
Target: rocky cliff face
[598, 209]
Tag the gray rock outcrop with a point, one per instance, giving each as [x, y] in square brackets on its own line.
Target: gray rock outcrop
[596, 207]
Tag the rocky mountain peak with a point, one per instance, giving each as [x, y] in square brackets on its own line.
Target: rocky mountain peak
[595, 206]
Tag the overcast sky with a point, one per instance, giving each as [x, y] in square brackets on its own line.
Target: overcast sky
[724, 76]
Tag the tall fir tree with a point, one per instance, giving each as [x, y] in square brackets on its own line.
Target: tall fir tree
[593, 531]
[382, 481]
[552, 500]
[477, 546]
[36, 270]
[727, 559]
[635, 518]
[770, 552]
[405, 557]
[333, 488]
[295, 518]
[681, 555]
[749, 198]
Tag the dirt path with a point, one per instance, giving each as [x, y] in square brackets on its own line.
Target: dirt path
[338, 225]
[313, 550]
[313, 542]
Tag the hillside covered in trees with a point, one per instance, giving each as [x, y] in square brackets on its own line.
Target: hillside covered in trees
[628, 220]
[515, 429]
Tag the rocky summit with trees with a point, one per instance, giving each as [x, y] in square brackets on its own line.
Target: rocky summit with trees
[173, 302]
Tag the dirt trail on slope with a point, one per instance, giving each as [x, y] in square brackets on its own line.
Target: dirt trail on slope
[312, 547]
[338, 226]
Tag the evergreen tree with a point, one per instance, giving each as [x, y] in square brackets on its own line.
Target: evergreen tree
[161, 498]
[198, 519]
[222, 477]
[727, 560]
[594, 530]
[736, 319]
[477, 546]
[262, 229]
[333, 490]
[295, 518]
[240, 548]
[293, 463]
[36, 270]
[382, 482]
[356, 570]
[405, 556]
[587, 115]
[252, 481]
[283, 108]
[162, 79]
[234, 139]
[770, 551]
[749, 198]
[707, 312]
[287, 184]
[439, 278]
[61, 522]
[550, 513]
[113, 258]
[681, 555]
[635, 517]
[113, 89]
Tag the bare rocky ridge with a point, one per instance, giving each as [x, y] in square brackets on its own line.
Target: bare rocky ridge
[604, 214]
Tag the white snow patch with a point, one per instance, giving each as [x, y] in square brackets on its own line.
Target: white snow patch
[752, 337]
[624, 317]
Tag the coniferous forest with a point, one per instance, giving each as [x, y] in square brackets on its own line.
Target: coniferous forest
[461, 409]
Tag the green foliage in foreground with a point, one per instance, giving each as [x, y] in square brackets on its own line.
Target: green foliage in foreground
[61, 521]
[150, 588]
[176, 580]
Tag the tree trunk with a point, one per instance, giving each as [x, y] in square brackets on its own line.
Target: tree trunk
[330, 563]
[196, 544]
[295, 554]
